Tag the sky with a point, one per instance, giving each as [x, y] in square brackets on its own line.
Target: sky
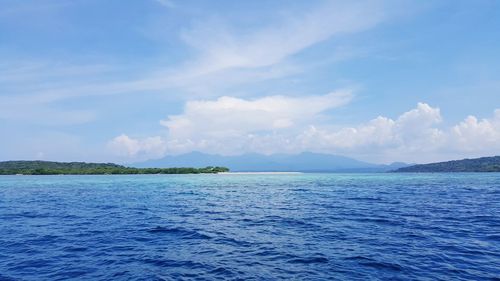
[126, 81]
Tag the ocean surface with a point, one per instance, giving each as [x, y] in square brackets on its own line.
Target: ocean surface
[251, 227]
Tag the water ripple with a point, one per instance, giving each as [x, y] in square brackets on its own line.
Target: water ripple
[265, 227]
[181, 233]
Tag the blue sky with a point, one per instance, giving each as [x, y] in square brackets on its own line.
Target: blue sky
[125, 81]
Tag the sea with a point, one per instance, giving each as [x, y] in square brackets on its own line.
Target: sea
[379, 226]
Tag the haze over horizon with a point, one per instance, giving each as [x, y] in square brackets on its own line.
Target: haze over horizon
[377, 81]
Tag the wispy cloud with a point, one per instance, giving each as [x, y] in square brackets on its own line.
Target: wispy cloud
[31, 89]
[222, 48]
[222, 56]
[230, 56]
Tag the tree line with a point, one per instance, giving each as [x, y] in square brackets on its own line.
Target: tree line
[81, 168]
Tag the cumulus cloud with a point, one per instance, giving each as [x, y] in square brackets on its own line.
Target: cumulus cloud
[230, 125]
[232, 117]
[279, 124]
[477, 135]
[413, 129]
[414, 136]
[411, 133]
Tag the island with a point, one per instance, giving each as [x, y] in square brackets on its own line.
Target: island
[483, 164]
[82, 168]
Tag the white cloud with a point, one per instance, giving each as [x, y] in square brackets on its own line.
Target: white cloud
[224, 48]
[279, 124]
[412, 131]
[228, 56]
[230, 125]
[474, 135]
[413, 136]
[229, 117]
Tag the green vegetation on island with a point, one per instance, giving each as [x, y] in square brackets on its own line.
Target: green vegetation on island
[484, 164]
[81, 168]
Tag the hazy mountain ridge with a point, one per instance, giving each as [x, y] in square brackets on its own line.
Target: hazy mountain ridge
[303, 162]
[483, 164]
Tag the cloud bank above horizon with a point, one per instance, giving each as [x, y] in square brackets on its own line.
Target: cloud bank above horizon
[278, 124]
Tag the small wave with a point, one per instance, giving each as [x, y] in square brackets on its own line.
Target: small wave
[285, 221]
[74, 249]
[46, 239]
[108, 207]
[175, 263]
[234, 242]
[23, 215]
[309, 260]
[482, 217]
[265, 252]
[494, 237]
[383, 265]
[67, 275]
[379, 221]
[184, 233]
[364, 199]
[358, 258]
[6, 278]
[221, 271]
[366, 261]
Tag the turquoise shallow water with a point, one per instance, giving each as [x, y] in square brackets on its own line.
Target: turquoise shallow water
[251, 227]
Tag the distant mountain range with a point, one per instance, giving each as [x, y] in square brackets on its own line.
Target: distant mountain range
[303, 162]
[483, 164]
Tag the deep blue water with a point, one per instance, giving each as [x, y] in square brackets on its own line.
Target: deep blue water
[260, 227]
